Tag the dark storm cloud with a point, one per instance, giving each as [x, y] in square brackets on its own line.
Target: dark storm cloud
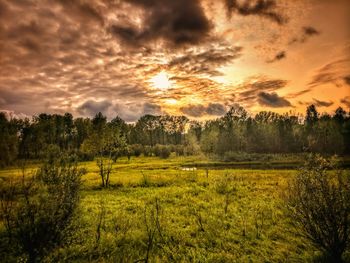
[272, 100]
[91, 107]
[263, 8]
[178, 23]
[336, 73]
[213, 109]
[279, 56]
[320, 103]
[346, 101]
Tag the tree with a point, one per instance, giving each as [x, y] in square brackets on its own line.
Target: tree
[8, 140]
[311, 115]
[339, 115]
[109, 145]
[318, 202]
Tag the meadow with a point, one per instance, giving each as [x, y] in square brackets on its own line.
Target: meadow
[162, 210]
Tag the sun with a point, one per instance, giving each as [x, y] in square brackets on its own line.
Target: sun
[161, 81]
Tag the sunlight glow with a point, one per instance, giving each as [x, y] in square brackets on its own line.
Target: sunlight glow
[171, 101]
[161, 81]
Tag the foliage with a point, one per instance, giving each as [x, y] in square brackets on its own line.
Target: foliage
[319, 204]
[162, 151]
[8, 140]
[236, 131]
[38, 211]
[104, 170]
[137, 149]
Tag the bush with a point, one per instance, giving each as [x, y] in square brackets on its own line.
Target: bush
[232, 156]
[179, 150]
[147, 151]
[162, 151]
[318, 201]
[39, 211]
[137, 149]
[85, 156]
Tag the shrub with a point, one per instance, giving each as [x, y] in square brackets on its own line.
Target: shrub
[157, 150]
[318, 201]
[39, 211]
[231, 156]
[137, 149]
[147, 151]
[179, 150]
[162, 151]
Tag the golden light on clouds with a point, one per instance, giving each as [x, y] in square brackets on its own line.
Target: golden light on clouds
[171, 101]
[195, 58]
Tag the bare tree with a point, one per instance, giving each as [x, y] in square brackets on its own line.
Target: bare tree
[318, 201]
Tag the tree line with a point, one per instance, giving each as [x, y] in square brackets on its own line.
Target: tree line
[236, 131]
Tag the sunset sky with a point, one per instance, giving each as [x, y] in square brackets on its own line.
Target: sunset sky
[183, 57]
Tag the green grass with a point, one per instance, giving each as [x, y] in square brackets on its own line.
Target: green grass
[192, 225]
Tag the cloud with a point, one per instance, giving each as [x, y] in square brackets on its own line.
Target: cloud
[9, 114]
[279, 56]
[263, 8]
[91, 107]
[320, 103]
[177, 23]
[82, 56]
[150, 108]
[194, 110]
[85, 11]
[347, 80]
[346, 101]
[216, 109]
[205, 62]
[272, 100]
[213, 109]
[335, 73]
[129, 112]
[310, 31]
[306, 33]
[297, 94]
[250, 89]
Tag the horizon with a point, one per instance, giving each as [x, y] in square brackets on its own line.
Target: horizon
[301, 116]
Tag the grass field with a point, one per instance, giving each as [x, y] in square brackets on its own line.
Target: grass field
[157, 208]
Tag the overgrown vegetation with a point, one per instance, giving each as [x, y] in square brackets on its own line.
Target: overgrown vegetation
[156, 211]
[38, 210]
[319, 204]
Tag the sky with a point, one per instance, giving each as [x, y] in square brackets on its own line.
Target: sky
[184, 57]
